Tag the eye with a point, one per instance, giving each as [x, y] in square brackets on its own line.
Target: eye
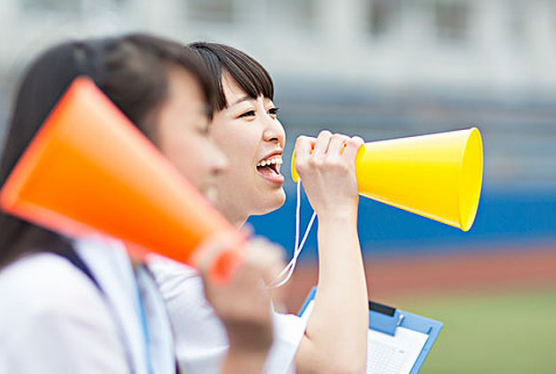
[273, 111]
[249, 113]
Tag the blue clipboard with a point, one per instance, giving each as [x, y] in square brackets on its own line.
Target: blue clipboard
[387, 319]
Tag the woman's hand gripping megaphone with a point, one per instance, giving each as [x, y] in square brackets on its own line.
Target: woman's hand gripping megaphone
[242, 301]
[326, 165]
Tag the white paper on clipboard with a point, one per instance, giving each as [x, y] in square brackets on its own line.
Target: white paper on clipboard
[387, 354]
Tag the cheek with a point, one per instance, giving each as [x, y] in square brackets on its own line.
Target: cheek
[179, 151]
[197, 161]
[240, 146]
[226, 140]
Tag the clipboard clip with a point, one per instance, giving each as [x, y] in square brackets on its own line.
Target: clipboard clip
[384, 318]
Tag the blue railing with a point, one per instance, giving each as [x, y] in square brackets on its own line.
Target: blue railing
[504, 220]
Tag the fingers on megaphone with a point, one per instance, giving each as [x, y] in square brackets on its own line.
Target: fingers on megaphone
[337, 144]
[344, 146]
[322, 143]
[326, 149]
[268, 257]
[303, 148]
[220, 256]
[223, 258]
[265, 261]
[353, 145]
[326, 143]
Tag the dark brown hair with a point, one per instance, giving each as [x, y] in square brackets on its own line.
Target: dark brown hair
[132, 71]
[251, 76]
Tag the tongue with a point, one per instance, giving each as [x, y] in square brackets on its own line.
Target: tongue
[266, 170]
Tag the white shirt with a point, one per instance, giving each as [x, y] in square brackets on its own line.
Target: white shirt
[201, 340]
[53, 318]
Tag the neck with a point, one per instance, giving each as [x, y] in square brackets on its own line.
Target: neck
[238, 223]
[232, 213]
[237, 220]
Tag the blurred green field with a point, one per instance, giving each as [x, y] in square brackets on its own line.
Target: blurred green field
[504, 332]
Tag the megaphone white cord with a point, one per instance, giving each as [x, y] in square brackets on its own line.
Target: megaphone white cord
[287, 272]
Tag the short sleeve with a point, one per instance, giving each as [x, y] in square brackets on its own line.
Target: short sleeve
[289, 329]
[201, 341]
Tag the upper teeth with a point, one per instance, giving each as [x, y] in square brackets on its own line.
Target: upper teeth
[277, 160]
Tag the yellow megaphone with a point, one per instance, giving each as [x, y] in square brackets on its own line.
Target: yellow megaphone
[438, 176]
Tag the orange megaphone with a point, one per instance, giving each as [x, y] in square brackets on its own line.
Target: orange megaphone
[438, 176]
[89, 170]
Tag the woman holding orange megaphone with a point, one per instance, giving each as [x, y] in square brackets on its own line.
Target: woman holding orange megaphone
[334, 339]
[82, 305]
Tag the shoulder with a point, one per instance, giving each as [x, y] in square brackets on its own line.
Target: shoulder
[174, 278]
[53, 312]
[45, 280]
[45, 286]
[182, 288]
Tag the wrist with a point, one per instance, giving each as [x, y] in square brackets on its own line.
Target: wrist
[245, 361]
[254, 342]
[336, 215]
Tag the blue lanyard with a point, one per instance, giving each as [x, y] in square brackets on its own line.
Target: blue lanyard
[144, 323]
[71, 255]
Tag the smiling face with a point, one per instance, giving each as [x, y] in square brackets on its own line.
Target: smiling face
[183, 133]
[252, 138]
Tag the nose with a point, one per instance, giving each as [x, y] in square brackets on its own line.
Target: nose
[274, 131]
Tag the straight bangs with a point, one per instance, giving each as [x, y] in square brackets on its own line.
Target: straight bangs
[251, 76]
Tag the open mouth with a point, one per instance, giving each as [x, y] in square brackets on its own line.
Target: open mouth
[270, 167]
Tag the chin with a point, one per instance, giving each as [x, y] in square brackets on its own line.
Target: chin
[277, 201]
[272, 203]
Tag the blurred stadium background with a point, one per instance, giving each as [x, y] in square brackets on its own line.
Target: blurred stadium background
[384, 69]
